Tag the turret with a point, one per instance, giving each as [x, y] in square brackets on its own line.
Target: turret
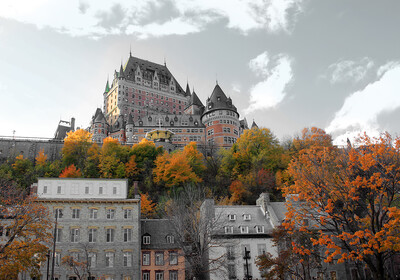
[129, 130]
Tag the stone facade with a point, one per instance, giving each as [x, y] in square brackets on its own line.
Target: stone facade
[95, 223]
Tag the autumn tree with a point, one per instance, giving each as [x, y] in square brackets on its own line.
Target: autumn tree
[147, 206]
[179, 167]
[79, 263]
[76, 146]
[22, 171]
[351, 198]
[71, 172]
[92, 162]
[26, 226]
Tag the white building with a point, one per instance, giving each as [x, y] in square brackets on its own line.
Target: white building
[242, 227]
[96, 223]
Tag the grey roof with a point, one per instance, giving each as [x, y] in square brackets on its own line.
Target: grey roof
[218, 100]
[194, 100]
[279, 209]
[100, 116]
[61, 131]
[188, 90]
[243, 124]
[254, 125]
[158, 229]
[170, 120]
[130, 119]
[149, 68]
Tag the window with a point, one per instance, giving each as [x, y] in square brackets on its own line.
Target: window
[173, 275]
[44, 189]
[92, 235]
[227, 130]
[261, 249]
[232, 271]
[146, 258]
[159, 258]
[92, 214]
[159, 275]
[244, 248]
[59, 235]
[260, 229]
[146, 275]
[110, 233]
[247, 267]
[92, 259]
[86, 190]
[58, 213]
[110, 213]
[246, 217]
[75, 235]
[127, 234]
[109, 259]
[173, 258]
[210, 132]
[75, 213]
[114, 190]
[170, 239]
[127, 214]
[146, 239]
[228, 229]
[127, 259]
[232, 217]
[57, 259]
[230, 253]
[59, 189]
[244, 229]
[100, 190]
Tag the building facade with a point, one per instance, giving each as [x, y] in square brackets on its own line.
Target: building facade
[161, 256]
[144, 96]
[96, 223]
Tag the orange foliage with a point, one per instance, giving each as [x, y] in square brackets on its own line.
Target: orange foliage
[353, 194]
[131, 169]
[71, 172]
[238, 191]
[41, 158]
[147, 206]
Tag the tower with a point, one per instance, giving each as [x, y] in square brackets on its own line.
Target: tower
[129, 130]
[99, 126]
[221, 119]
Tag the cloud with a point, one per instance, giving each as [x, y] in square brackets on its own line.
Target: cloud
[277, 74]
[361, 109]
[349, 70]
[101, 17]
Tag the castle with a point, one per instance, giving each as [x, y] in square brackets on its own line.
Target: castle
[144, 100]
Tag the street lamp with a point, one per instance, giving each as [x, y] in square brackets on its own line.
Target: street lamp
[246, 258]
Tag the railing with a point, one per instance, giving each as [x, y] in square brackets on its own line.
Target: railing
[32, 139]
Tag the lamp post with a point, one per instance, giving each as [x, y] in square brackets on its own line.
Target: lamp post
[48, 264]
[246, 258]
[54, 246]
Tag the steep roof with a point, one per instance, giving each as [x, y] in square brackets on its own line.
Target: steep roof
[149, 68]
[107, 89]
[187, 90]
[254, 125]
[194, 100]
[130, 119]
[158, 229]
[99, 116]
[218, 100]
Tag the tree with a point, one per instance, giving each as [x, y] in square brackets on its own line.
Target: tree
[22, 171]
[351, 198]
[147, 206]
[26, 226]
[78, 264]
[76, 146]
[71, 172]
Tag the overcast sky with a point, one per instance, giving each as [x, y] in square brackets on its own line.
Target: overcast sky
[286, 64]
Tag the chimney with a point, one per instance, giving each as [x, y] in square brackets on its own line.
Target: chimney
[135, 189]
[72, 124]
[263, 201]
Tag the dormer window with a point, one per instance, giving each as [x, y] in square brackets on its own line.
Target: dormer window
[232, 217]
[170, 239]
[146, 239]
[228, 230]
[244, 229]
[246, 217]
[260, 229]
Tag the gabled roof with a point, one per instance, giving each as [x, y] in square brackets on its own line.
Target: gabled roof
[158, 229]
[99, 116]
[218, 100]
[254, 125]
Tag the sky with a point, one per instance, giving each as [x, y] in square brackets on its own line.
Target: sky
[286, 64]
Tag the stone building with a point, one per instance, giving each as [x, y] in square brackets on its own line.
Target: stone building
[162, 258]
[95, 223]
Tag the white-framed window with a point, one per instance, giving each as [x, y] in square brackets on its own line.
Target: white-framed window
[244, 229]
[210, 131]
[246, 217]
[146, 239]
[76, 213]
[92, 259]
[259, 229]
[173, 258]
[230, 252]
[92, 235]
[127, 259]
[110, 214]
[44, 189]
[173, 275]
[93, 214]
[57, 259]
[110, 234]
[109, 259]
[127, 214]
[74, 235]
[232, 217]
[58, 213]
[261, 249]
[228, 230]
[146, 275]
[145, 258]
[159, 275]
[170, 239]
[159, 258]
[127, 234]
[59, 235]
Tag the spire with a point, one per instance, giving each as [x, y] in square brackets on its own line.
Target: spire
[130, 119]
[254, 125]
[107, 89]
[187, 90]
[121, 72]
[130, 50]
[195, 100]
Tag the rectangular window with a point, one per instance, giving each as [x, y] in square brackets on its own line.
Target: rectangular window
[127, 214]
[109, 259]
[159, 258]
[146, 275]
[246, 217]
[244, 229]
[159, 275]
[57, 259]
[247, 267]
[232, 271]
[146, 258]
[75, 235]
[58, 189]
[86, 190]
[146, 240]
[261, 249]
[260, 229]
[92, 214]
[232, 217]
[92, 235]
[230, 253]
[110, 213]
[110, 234]
[100, 190]
[114, 190]
[92, 259]
[44, 189]
[59, 235]
[173, 258]
[127, 234]
[75, 213]
[127, 259]
[228, 230]
[173, 275]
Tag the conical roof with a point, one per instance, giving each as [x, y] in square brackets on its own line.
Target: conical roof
[194, 100]
[99, 116]
[130, 119]
[107, 89]
[121, 72]
[187, 90]
[254, 125]
[218, 100]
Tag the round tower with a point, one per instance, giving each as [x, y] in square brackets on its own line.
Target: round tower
[99, 127]
[130, 130]
[221, 119]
